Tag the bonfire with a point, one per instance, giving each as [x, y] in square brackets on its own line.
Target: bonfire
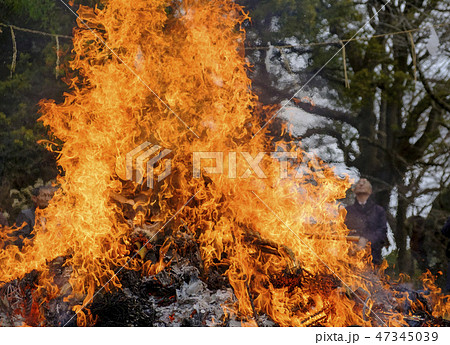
[207, 227]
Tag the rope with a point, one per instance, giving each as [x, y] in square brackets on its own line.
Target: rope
[57, 57]
[34, 31]
[413, 55]
[14, 57]
[347, 84]
[286, 62]
[341, 42]
[13, 38]
[265, 48]
[366, 38]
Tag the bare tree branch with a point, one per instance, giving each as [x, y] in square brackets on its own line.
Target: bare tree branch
[430, 92]
[327, 112]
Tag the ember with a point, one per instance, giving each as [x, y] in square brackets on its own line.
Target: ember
[212, 250]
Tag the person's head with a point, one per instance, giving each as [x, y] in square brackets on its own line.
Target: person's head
[41, 196]
[363, 187]
[362, 190]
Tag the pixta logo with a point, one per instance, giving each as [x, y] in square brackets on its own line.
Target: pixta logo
[143, 159]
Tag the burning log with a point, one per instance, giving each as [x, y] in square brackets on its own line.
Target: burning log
[316, 319]
[269, 247]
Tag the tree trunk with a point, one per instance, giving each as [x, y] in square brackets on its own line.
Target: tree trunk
[400, 234]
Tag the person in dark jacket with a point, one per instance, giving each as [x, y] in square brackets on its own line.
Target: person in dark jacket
[3, 221]
[26, 219]
[417, 235]
[368, 220]
[446, 232]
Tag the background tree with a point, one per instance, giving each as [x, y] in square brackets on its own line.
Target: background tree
[25, 79]
[392, 123]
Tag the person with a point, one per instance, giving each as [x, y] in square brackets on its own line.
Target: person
[368, 220]
[417, 234]
[26, 219]
[446, 232]
[3, 221]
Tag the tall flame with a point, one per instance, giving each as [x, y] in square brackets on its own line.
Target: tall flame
[173, 73]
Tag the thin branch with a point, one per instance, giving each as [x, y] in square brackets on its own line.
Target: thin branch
[327, 112]
[430, 92]
[346, 149]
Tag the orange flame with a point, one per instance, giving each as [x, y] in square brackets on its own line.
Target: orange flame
[173, 73]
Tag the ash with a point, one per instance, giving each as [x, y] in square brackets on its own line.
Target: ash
[182, 294]
[193, 303]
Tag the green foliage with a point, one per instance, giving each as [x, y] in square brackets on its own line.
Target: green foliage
[292, 17]
[22, 160]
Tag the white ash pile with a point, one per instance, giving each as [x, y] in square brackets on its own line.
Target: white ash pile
[194, 304]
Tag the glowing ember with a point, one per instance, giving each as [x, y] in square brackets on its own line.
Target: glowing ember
[174, 74]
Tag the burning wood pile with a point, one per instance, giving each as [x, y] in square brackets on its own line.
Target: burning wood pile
[178, 244]
[185, 294]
